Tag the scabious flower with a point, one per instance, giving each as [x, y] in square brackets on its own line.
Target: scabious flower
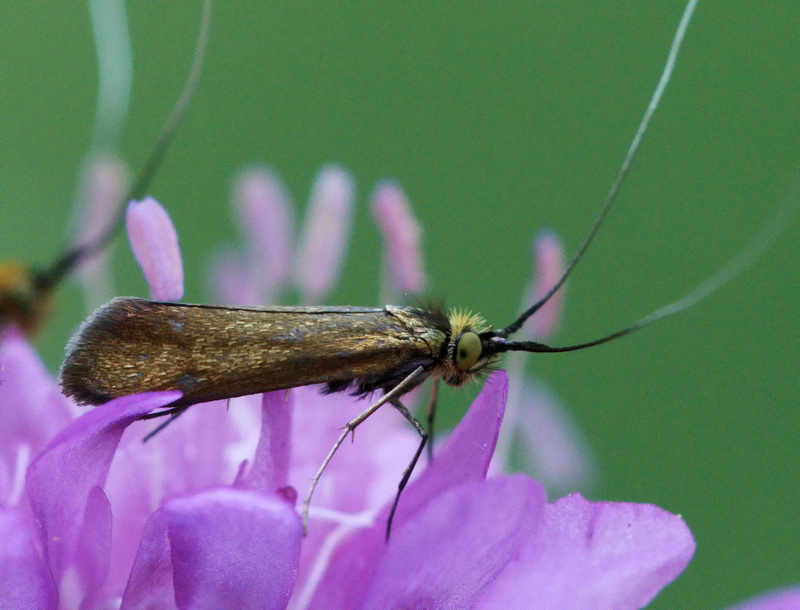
[206, 513]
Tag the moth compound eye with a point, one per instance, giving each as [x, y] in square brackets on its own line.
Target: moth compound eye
[468, 350]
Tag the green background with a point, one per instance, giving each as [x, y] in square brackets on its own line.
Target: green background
[498, 119]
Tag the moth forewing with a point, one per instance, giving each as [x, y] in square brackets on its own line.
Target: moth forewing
[207, 352]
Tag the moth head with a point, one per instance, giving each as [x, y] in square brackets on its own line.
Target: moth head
[467, 349]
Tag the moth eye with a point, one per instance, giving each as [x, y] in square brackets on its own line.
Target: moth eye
[468, 350]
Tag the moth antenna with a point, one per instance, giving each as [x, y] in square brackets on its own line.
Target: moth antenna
[53, 274]
[666, 74]
[770, 230]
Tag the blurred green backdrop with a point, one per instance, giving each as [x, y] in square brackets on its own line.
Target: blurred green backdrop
[498, 119]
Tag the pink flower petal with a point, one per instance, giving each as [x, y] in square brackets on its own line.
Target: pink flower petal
[457, 545]
[466, 454]
[265, 217]
[226, 548]
[325, 234]
[270, 470]
[32, 408]
[154, 242]
[26, 582]
[464, 458]
[401, 238]
[62, 477]
[194, 452]
[595, 555]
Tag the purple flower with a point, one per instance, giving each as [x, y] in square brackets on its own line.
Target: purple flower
[206, 513]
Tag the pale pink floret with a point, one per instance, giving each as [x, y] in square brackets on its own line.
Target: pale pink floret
[324, 237]
[401, 239]
[548, 260]
[265, 217]
[780, 599]
[230, 273]
[154, 242]
[104, 184]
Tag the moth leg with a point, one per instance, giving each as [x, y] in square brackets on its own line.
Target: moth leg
[407, 474]
[400, 389]
[173, 414]
[432, 403]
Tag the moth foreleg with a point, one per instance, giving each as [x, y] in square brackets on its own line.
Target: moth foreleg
[401, 388]
[431, 415]
[407, 474]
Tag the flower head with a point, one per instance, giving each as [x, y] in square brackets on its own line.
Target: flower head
[205, 514]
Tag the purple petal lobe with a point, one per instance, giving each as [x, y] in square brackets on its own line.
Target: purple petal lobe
[201, 449]
[232, 549]
[94, 543]
[150, 583]
[457, 545]
[25, 581]
[325, 234]
[154, 242]
[401, 237]
[62, 477]
[32, 408]
[270, 470]
[595, 555]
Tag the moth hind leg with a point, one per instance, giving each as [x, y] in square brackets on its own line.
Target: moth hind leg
[409, 382]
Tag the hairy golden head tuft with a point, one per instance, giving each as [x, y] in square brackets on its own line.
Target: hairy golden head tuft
[462, 319]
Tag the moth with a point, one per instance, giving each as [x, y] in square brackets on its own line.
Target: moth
[210, 352]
